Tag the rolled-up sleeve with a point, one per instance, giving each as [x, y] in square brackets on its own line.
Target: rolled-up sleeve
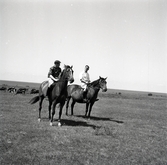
[50, 72]
[80, 75]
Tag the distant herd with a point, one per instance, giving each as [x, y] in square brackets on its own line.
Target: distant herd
[17, 90]
[24, 90]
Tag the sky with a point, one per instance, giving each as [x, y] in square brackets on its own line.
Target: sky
[123, 40]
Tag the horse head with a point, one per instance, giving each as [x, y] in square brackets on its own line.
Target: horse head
[103, 83]
[68, 73]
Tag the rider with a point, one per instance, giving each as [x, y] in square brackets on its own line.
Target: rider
[85, 79]
[53, 76]
[54, 73]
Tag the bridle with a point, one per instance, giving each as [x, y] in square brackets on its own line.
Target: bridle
[67, 75]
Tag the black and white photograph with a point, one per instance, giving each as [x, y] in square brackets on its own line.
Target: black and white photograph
[83, 82]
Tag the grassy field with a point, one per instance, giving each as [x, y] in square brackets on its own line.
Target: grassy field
[125, 129]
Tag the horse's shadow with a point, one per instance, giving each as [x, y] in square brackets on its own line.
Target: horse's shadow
[101, 118]
[69, 122]
[77, 123]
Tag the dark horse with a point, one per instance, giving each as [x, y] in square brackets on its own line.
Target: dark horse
[76, 93]
[57, 93]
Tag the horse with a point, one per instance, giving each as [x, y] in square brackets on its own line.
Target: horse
[21, 90]
[76, 93]
[34, 91]
[57, 93]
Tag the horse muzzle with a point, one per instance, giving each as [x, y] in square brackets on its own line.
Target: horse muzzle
[71, 80]
[104, 89]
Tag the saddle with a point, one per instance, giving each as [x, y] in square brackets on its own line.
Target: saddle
[45, 87]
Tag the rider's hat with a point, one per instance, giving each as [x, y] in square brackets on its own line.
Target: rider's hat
[57, 62]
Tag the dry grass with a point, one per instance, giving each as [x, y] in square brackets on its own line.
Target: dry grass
[124, 129]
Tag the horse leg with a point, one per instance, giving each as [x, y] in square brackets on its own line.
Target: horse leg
[90, 108]
[72, 106]
[49, 108]
[67, 105]
[86, 111]
[60, 112]
[53, 111]
[40, 107]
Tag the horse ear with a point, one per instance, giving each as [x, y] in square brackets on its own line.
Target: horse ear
[64, 66]
[71, 66]
[99, 77]
[105, 78]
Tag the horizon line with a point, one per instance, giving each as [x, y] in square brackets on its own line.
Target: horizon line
[108, 88]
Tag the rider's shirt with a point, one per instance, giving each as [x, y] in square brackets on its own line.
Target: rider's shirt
[54, 71]
[85, 77]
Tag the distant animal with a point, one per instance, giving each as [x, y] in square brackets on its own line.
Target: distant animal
[21, 90]
[57, 93]
[150, 94]
[3, 88]
[12, 89]
[34, 91]
[76, 93]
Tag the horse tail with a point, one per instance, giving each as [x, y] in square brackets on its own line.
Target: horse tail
[34, 100]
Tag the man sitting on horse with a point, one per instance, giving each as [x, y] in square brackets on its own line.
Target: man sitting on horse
[54, 73]
[85, 80]
[53, 76]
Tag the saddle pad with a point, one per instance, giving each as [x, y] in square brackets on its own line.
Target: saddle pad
[44, 87]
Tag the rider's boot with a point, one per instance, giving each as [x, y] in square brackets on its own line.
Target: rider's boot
[85, 96]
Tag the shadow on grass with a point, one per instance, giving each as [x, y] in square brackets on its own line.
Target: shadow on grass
[101, 118]
[69, 122]
[77, 123]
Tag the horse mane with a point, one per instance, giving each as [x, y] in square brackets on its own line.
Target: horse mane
[94, 83]
[62, 73]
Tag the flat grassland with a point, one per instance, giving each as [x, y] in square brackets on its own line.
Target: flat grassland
[125, 128]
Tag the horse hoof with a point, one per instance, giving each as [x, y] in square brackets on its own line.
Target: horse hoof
[51, 124]
[39, 120]
[59, 124]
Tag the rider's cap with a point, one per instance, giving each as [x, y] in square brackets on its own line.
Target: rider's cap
[57, 62]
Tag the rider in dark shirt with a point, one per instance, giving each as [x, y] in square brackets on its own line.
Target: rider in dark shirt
[54, 72]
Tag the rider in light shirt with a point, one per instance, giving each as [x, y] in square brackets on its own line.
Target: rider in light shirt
[85, 79]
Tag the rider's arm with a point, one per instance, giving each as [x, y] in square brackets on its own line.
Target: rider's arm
[50, 72]
[83, 81]
[54, 79]
[81, 77]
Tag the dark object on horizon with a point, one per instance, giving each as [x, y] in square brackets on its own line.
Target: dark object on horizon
[3, 88]
[34, 91]
[21, 90]
[12, 90]
[76, 93]
[150, 94]
[57, 93]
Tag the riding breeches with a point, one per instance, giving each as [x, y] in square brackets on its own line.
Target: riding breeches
[50, 82]
[84, 86]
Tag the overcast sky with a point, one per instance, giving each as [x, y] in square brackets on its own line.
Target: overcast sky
[124, 40]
